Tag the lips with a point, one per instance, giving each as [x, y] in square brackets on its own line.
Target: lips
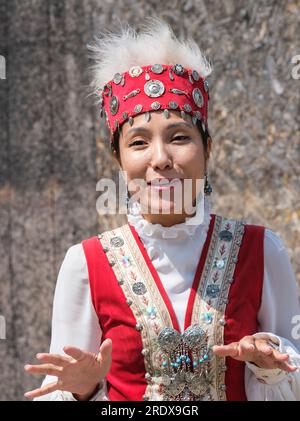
[163, 181]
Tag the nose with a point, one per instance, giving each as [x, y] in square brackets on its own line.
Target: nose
[161, 158]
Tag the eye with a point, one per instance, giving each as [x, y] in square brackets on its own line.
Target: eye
[181, 138]
[136, 142]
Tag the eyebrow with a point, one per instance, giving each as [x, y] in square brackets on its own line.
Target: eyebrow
[170, 126]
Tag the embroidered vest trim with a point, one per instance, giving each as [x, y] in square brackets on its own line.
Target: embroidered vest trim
[179, 366]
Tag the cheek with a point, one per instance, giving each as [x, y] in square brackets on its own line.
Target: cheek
[191, 161]
[134, 164]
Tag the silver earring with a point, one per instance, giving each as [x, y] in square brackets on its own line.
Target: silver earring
[207, 187]
[127, 198]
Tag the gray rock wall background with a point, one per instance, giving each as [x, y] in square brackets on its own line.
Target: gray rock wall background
[52, 150]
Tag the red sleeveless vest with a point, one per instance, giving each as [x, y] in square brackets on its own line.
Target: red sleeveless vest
[126, 379]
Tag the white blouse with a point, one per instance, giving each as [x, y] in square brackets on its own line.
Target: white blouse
[175, 252]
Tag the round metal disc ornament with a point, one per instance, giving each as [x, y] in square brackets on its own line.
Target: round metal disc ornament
[138, 108]
[155, 105]
[154, 88]
[173, 105]
[117, 78]
[198, 97]
[187, 108]
[135, 71]
[178, 69]
[139, 288]
[157, 68]
[114, 105]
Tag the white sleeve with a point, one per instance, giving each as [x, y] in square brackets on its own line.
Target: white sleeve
[279, 321]
[74, 319]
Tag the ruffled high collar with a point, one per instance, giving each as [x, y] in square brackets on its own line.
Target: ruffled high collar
[146, 229]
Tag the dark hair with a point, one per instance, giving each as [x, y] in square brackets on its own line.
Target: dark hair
[116, 137]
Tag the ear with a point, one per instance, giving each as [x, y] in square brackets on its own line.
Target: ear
[117, 160]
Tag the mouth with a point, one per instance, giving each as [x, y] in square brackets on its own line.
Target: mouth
[164, 183]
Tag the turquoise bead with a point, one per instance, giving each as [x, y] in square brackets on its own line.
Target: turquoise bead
[195, 363]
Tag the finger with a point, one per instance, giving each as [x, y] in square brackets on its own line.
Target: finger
[280, 356]
[74, 352]
[53, 359]
[230, 350]
[286, 366]
[246, 346]
[105, 351]
[48, 388]
[46, 369]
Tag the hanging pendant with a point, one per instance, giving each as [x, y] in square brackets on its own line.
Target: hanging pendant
[166, 113]
[191, 79]
[183, 115]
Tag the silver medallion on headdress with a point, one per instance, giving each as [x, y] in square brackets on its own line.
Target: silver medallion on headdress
[154, 88]
[187, 108]
[135, 71]
[173, 105]
[178, 69]
[117, 78]
[198, 97]
[195, 75]
[155, 105]
[138, 108]
[206, 85]
[157, 68]
[114, 105]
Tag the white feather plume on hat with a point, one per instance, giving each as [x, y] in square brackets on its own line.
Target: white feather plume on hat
[156, 42]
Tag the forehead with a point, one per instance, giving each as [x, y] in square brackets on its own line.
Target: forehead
[157, 122]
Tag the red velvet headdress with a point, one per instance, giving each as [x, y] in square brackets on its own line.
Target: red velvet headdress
[156, 87]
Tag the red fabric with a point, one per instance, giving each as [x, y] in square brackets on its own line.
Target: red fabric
[244, 303]
[126, 379]
[115, 93]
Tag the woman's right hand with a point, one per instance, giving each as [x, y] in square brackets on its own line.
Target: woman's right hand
[79, 373]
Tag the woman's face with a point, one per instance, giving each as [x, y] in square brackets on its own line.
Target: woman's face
[163, 149]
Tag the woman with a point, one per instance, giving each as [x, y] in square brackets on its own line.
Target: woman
[187, 306]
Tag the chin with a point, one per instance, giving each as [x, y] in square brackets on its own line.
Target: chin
[165, 207]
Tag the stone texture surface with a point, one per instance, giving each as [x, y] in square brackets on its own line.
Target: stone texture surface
[52, 149]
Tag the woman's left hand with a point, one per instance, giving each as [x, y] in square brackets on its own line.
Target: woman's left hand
[257, 351]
